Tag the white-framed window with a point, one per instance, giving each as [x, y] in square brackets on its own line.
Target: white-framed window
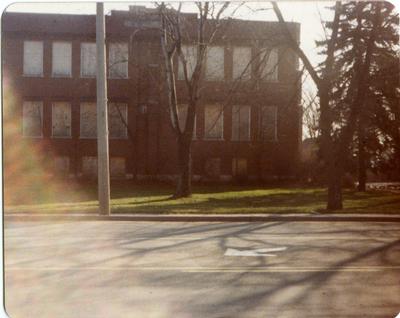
[61, 59]
[182, 116]
[269, 123]
[118, 60]
[117, 167]
[33, 58]
[88, 60]
[241, 62]
[190, 54]
[215, 67]
[88, 120]
[61, 120]
[118, 120]
[241, 122]
[32, 119]
[269, 64]
[213, 121]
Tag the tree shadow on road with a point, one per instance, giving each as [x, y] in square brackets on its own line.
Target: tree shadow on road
[222, 293]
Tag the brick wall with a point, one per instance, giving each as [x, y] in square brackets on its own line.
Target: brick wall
[152, 149]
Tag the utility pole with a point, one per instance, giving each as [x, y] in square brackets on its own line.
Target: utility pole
[102, 119]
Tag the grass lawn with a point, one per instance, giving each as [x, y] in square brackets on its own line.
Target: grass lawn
[127, 197]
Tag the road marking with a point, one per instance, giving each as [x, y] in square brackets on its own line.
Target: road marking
[190, 269]
[254, 252]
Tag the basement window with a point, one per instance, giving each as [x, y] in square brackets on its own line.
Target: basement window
[117, 167]
[239, 167]
[61, 165]
[89, 166]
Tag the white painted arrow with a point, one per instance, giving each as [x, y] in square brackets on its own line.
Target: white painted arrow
[255, 252]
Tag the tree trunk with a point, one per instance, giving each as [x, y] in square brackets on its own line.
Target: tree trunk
[396, 175]
[362, 167]
[183, 186]
[335, 200]
[333, 172]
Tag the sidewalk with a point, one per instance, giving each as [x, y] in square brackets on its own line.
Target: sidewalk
[205, 217]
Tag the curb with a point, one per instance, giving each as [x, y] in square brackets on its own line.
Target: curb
[203, 218]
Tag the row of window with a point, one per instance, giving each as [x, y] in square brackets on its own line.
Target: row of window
[243, 58]
[62, 165]
[62, 59]
[32, 122]
[241, 122]
[118, 58]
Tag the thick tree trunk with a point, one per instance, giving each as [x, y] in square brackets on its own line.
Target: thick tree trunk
[396, 176]
[333, 172]
[362, 167]
[335, 199]
[334, 190]
[324, 85]
[183, 186]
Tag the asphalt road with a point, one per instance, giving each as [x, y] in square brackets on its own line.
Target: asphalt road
[150, 269]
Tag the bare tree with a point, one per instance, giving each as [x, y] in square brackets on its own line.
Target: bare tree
[173, 36]
[178, 31]
[310, 114]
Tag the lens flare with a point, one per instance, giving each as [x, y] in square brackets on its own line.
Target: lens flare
[31, 179]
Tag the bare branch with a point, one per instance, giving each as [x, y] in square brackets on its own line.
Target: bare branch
[295, 46]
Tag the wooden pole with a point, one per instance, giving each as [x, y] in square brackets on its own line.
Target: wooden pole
[102, 124]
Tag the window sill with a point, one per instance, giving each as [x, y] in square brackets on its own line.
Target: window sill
[33, 75]
[32, 137]
[118, 138]
[61, 76]
[61, 137]
[240, 140]
[213, 139]
[95, 138]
